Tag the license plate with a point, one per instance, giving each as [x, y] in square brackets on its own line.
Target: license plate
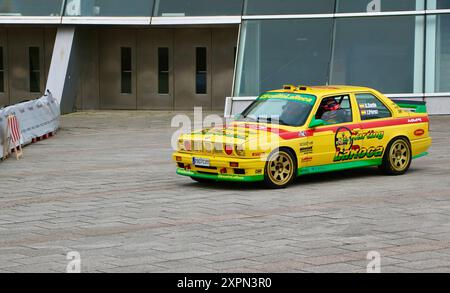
[200, 162]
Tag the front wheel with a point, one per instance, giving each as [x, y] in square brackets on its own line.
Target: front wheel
[280, 169]
[397, 157]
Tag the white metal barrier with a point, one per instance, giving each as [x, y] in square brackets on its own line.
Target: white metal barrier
[37, 118]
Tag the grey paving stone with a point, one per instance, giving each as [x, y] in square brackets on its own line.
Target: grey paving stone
[336, 268]
[120, 204]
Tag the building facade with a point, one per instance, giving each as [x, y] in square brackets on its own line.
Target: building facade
[177, 54]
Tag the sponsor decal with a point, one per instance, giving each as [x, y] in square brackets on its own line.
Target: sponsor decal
[306, 159]
[419, 132]
[368, 106]
[258, 171]
[371, 134]
[309, 99]
[306, 150]
[414, 120]
[369, 112]
[359, 153]
[343, 139]
[306, 143]
[347, 149]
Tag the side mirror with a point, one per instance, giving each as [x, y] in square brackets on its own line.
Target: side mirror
[316, 123]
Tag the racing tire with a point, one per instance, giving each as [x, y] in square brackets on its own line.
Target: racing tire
[280, 169]
[397, 157]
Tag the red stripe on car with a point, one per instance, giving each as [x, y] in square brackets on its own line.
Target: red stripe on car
[286, 134]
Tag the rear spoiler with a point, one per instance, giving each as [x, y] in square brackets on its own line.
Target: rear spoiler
[412, 106]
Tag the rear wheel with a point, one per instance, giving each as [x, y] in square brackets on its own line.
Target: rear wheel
[397, 157]
[280, 169]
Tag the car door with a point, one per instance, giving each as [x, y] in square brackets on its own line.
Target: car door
[374, 116]
[330, 141]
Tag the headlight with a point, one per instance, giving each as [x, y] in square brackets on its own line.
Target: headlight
[228, 149]
[184, 145]
[239, 150]
[180, 145]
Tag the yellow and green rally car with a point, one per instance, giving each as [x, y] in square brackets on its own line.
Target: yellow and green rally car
[302, 130]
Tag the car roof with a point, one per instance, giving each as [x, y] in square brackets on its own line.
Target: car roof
[322, 90]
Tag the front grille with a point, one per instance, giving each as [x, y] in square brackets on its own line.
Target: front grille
[208, 168]
[207, 148]
[198, 146]
[203, 172]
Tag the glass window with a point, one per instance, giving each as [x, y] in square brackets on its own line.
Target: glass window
[439, 4]
[279, 108]
[163, 70]
[370, 107]
[126, 77]
[35, 70]
[385, 53]
[335, 110]
[349, 6]
[201, 71]
[197, 7]
[255, 7]
[443, 53]
[31, 8]
[277, 52]
[2, 72]
[109, 8]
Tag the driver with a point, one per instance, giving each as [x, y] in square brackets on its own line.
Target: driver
[332, 112]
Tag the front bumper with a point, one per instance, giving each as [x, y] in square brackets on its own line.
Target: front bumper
[248, 170]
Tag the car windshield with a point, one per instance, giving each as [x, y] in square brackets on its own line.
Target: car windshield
[279, 108]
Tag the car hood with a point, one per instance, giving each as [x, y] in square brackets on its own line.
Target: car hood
[243, 132]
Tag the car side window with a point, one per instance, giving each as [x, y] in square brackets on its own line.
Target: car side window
[370, 107]
[335, 110]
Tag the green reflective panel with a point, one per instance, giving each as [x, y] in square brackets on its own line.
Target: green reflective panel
[442, 53]
[438, 4]
[255, 7]
[109, 8]
[277, 52]
[31, 7]
[349, 6]
[197, 7]
[385, 53]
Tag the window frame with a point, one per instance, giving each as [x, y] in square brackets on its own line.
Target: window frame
[342, 95]
[163, 72]
[124, 71]
[34, 71]
[378, 98]
[198, 72]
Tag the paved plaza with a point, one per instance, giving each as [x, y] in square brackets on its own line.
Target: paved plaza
[105, 187]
